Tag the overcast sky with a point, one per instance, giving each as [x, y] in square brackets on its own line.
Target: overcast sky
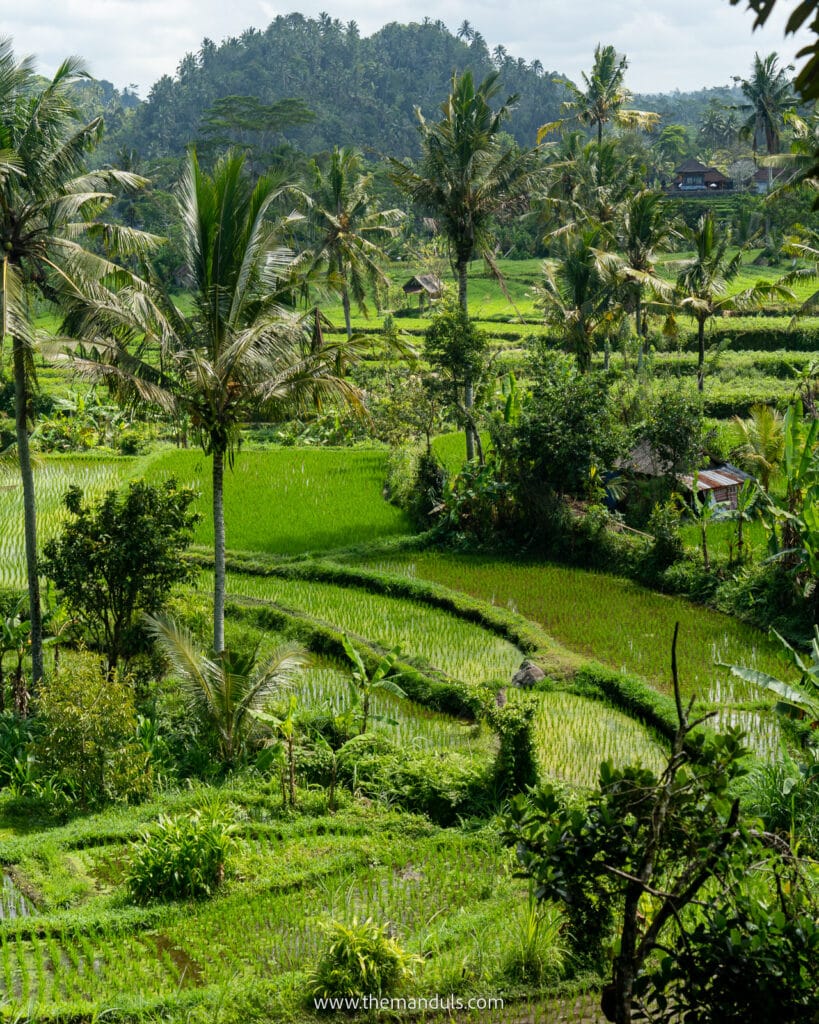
[671, 44]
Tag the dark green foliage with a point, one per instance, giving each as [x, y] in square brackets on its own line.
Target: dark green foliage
[88, 734]
[673, 428]
[752, 962]
[181, 858]
[119, 558]
[664, 527]
[362, 959]
[16, 735]
[567, 428]
[516, 767]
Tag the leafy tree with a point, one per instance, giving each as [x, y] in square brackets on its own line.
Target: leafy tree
[88, 735]
[49, 206]
[605, 96]
[459, 351]
[769, 94]
[641, 851]
[238, 353]
[673, 428]
[344, 218]
[119, 559]
[227, 690]
[468, 176]
[567, 427]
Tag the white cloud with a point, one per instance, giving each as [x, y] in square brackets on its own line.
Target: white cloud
[671, 44]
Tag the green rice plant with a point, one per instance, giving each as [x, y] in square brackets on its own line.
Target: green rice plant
[361, 959]
[575, 735]
[52, 478]
[182, 858]
[460, 649]
[291, 500]
[613, 620]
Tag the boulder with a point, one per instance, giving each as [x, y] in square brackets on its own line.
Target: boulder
[528, 675]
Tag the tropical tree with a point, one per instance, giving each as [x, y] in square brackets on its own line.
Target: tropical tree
[365, 685]
[760, 446]
[467, 176]
[643, 229]
[49, 205]
[579, 290]
[769, 93]
[604, 96]
[703, 280]
[226, 691]
[344, 219]
[239, 352]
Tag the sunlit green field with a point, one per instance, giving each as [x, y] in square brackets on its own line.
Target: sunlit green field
[612, 620]
[288, 500]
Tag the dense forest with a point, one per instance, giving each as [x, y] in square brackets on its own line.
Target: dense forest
[317, 83]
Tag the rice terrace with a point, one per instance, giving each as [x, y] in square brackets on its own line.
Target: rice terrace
[409, 548]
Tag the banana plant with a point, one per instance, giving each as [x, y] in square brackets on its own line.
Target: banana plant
[801, 697]
[365, 685]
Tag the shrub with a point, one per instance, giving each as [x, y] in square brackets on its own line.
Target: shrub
[88, 734]
[182, 858]
[516, 762]
[362, 959]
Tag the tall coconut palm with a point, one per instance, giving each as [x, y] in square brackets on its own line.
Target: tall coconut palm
[239, 352]
[605, 96]
[769, 93]
[344, 220]
[468, 176]
[48, 207]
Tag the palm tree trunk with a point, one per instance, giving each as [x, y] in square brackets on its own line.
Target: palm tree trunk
[700, 353]
[469, 384]
[21, 397]
[345, 302]
[218, 550]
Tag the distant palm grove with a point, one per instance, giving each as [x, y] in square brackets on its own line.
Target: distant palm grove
[409, 548]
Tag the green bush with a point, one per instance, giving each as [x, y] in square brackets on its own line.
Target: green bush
[182, 858]
[88, 734]
[362, 959]
[516, 765]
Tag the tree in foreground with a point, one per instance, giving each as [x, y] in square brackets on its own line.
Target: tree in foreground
[240, 352]
[48, 208]
[713, 919]
[119, 559]
[468, 176]
[345, 221]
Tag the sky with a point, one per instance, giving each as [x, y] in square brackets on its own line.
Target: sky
[671, 44]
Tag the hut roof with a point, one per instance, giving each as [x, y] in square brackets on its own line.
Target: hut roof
[429, 283]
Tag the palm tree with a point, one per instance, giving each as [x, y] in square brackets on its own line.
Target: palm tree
[238, 353]
[760, 446]
[703, 280]
[643, 229]
[467, 177]
[604, 97]
[227, 690]
[48, 207]
[579, 290]
[769, 94]
[343, 218]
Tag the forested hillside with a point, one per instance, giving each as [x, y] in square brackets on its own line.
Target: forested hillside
[362, 91]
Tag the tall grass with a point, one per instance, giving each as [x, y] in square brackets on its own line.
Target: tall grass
[291, 500]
